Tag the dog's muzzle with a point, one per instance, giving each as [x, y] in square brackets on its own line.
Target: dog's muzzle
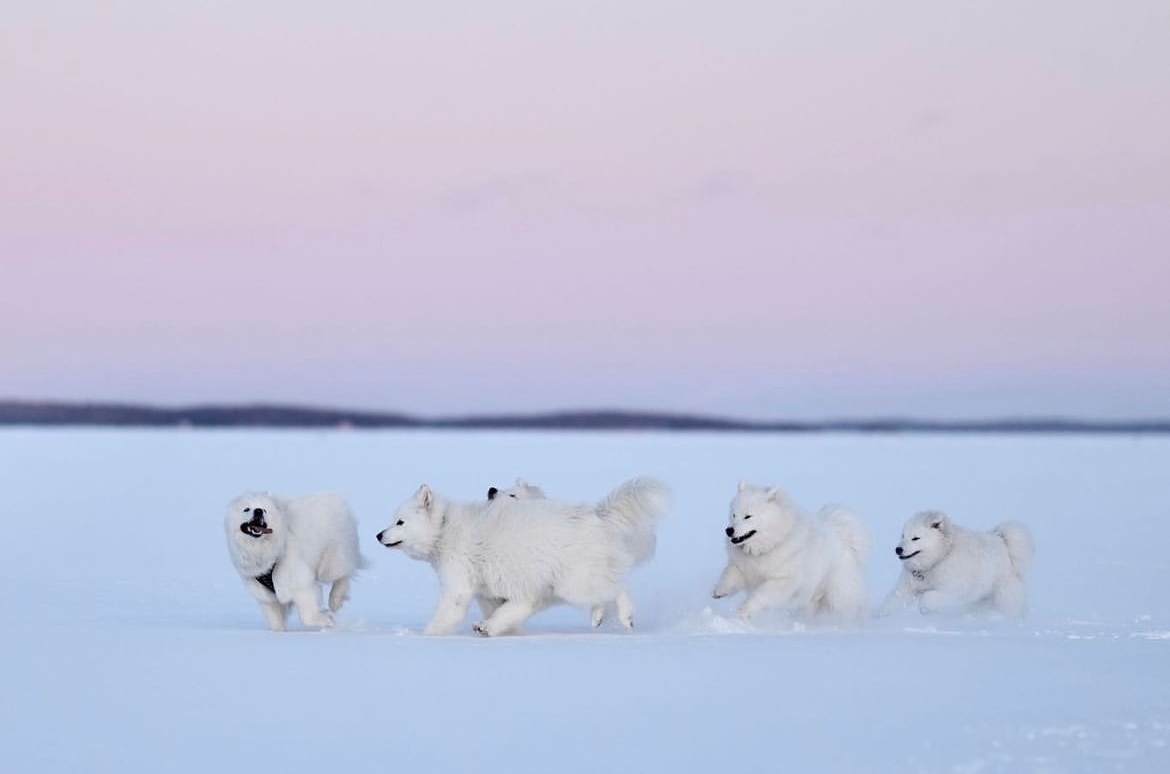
[903, 557]
[388, 545]
[741, 538]
[256, 526]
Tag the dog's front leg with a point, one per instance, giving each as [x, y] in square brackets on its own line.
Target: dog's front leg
[488, 605]
[898, 596]
[508, 617]
[275, 613]
[770, 593]
[449, 613]
[936, 601]
[730, 582]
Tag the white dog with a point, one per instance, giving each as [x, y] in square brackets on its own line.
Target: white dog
[949, 569]
[783, 558]
[518, 557]
[283, 548]
[642, 542]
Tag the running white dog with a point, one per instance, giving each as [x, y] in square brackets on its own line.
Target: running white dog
[783, 558]
[284, 547]
[518, 557]
[949, 569]
[642, 542]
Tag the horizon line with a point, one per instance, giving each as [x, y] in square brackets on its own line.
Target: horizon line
[260, 414]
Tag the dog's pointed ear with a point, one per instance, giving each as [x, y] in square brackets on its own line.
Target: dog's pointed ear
[492, 492]
[425, 496]
[521, 483]
[940, 522]
[773, 494]
[741, 485]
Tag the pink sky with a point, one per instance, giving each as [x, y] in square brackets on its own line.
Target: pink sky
[816, 209]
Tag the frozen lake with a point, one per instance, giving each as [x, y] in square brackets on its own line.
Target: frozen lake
[129, 644]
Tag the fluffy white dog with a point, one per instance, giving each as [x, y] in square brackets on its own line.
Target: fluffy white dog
[784, 558]
[518, 557]
[949, 569]
[284, 547]
[641, 541]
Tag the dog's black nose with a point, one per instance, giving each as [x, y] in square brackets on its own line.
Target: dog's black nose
[257, 513]
[898, 550]
[379, 535]
[492, 492]
[730, 531]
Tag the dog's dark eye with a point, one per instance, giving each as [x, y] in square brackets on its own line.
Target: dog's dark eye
[248, 510]
[913, 539]
[400, 522]
[746, 516]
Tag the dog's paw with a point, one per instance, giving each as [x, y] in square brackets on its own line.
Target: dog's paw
[482, 629]
[717, 594]
[598, 616]
[743, 614]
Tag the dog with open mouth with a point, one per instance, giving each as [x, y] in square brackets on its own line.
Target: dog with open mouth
[284, 548]
[949, 569]
[783, 558]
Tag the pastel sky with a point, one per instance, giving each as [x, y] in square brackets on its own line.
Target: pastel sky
[768, 208]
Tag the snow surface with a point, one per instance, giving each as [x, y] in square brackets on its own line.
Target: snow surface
[129, 644]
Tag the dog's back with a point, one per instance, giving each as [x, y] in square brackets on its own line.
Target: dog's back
[324, 531]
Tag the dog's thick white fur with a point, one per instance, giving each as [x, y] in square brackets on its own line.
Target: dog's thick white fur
[949, 569]
[284, 548]
[807, 565]
[641, 541]
[518, 557]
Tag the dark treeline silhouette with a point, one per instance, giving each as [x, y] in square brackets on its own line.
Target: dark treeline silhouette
[42, 413]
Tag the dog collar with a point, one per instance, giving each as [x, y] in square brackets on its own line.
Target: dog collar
[918, 574]
[265, 579]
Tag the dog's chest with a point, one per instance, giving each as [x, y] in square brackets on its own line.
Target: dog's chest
[755, 568]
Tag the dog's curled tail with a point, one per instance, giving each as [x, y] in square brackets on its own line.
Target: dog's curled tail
[633, 511]
[846, 525]
[1020, 546]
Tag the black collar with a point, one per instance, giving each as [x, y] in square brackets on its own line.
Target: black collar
[265, 579]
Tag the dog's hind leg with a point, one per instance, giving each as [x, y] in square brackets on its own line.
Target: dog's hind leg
[597, 615]
[625, 607]
[308, 603]
[339, 593]
[509, 616]
[1010, 597]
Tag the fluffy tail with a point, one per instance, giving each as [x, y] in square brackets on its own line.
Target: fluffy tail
[847, 527]
[1020, 546]
[845, 594]
[632, 511]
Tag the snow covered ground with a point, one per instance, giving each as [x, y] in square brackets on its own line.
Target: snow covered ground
[128, 643]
